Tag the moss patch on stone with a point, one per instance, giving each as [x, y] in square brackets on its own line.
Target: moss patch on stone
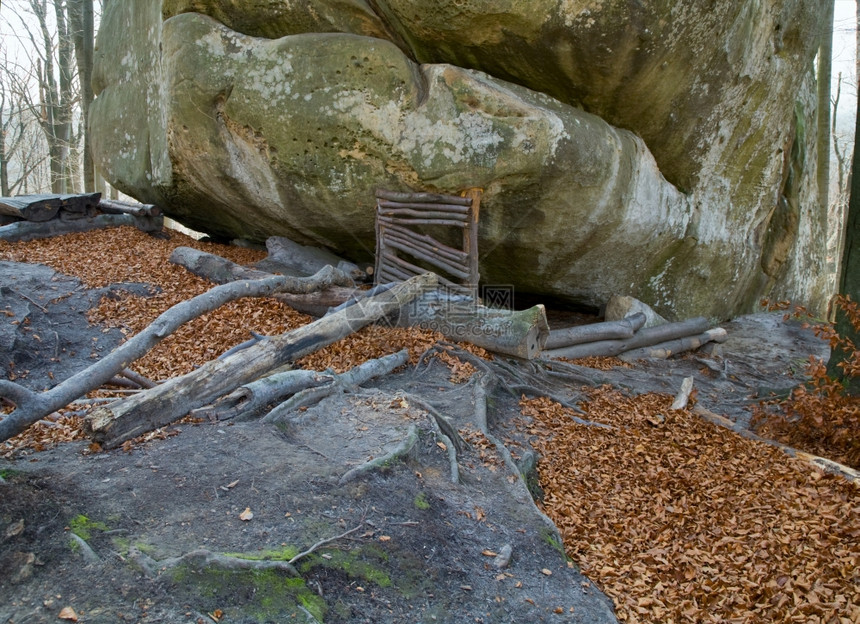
[83, 527]
[261, 595]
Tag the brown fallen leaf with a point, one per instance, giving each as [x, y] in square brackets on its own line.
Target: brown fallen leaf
[67, 613]
[246, 515]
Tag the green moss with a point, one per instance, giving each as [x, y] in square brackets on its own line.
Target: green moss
[8, 473]
[420, 502]
[83, 526]
[363, 564]
[121, 544]
[258, 595]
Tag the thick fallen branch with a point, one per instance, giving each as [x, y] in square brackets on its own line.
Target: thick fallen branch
[32, 406]
[214, 268]
[643, 338]
[665, 350]
[609, 330]
[221, 271]
[350, 379]
[248, 401]
[520, 333]
[319, 303]
[114, 424]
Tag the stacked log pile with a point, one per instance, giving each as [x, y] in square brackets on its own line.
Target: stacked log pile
[629, 340]
[28, 217]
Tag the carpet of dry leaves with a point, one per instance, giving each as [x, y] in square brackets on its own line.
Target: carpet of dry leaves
[678, 520]
[675, 519]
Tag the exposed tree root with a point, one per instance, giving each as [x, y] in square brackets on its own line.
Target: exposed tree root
[446, 431]
[248, 401]
[338, 383]
[203, 558]
[87, 552]
[400, 451]
[481, 389]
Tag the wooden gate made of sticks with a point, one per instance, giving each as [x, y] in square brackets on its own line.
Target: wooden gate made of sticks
[399, 215]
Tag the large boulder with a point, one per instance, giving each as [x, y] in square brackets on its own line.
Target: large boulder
[664, 152]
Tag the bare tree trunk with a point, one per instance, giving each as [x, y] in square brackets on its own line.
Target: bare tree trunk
[54, 73]
[83, 33]
[825, 67]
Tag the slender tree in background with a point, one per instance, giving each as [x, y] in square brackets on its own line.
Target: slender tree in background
[825, 68]
[81, 22]
[848, 282]
[53, 74]
[22, 149]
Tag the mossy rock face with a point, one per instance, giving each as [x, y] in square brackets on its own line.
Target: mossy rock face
[622, 148]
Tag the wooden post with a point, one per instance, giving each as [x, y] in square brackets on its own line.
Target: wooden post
[470, 237]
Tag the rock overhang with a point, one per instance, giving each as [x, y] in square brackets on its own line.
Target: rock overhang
[573, 204]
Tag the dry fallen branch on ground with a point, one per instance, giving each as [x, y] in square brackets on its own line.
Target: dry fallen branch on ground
[112, 425]
[32, 406]
[594, 332]
[350, 379]
[654, 337]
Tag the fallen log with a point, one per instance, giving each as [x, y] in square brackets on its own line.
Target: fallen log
[33, 406]
[665, 350]
[643, 338]
[113, 206]
[608, 330]
[246, 402]
[29, 230]
[520, 333]
[38, 211]
[291, 258]
[41, 208]
[221, 271]
[214, 268]
[114, 424]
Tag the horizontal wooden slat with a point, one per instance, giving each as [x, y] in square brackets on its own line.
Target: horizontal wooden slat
[403, 221]
[406, 213]
[389, 205]
[431, 198]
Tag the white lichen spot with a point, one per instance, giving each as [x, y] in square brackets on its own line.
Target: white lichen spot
[573, 11]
